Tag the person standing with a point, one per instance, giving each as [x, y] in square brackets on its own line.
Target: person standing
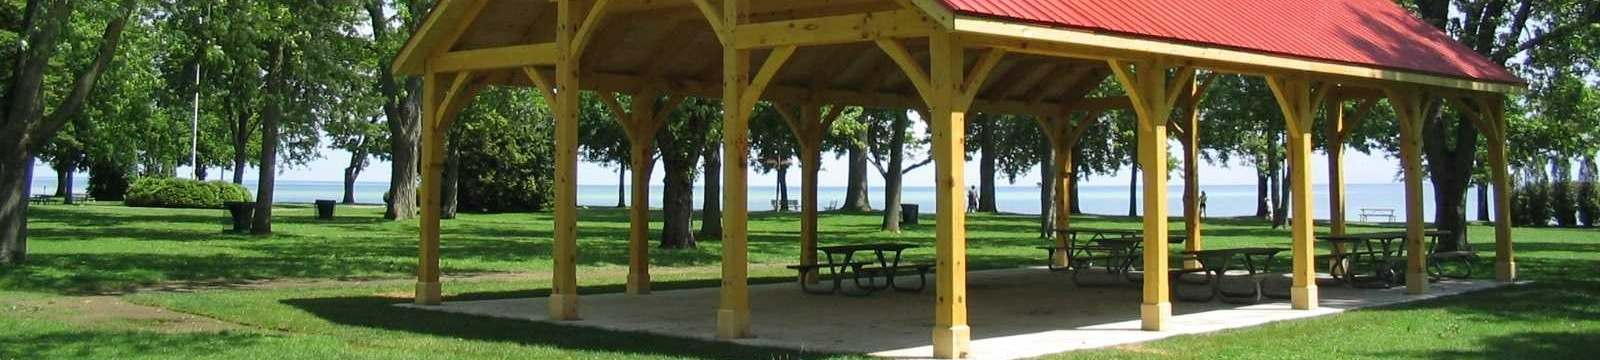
[972, 199]
[1202, 204]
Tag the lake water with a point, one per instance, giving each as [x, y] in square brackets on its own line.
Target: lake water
[1222, 200]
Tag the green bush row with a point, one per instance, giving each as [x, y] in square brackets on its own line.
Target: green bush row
[184, 193]
[1562, 203]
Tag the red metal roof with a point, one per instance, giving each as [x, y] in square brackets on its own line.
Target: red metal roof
[1377, 33]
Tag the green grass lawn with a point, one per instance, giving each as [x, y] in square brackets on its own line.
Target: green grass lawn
[331, 283]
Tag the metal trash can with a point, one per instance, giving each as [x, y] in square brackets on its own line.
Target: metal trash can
[908, 214]
[242, 212]
[325, 209]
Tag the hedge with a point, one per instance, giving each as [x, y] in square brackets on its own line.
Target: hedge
[184, 193]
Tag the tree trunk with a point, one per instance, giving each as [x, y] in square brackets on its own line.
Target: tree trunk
[677, 202]
[449, 199]
[200, 173]
[711, 208]
[986, 165]
[270, 117]
[783, 189]
[1483, 202]
[350, 174]
[1072, 186]
[402, 108]
[241, 143]
[64, 179]
[16, 175]
[1261, 193]
[1048, 182]
[893, 175]
[622, 187]
[1133, 192]
[855, 191]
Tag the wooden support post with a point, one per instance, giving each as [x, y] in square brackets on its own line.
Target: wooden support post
[1297, 97]
[1063, 135]
[1335, 147]
[1505, 263]
[1409, 106]
[1147, 87]
[564, 252]
[428, 289]
[809, 128]
[952, 336]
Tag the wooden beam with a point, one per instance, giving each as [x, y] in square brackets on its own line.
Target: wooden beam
[733, 308]
[1146, 83]
[546, 88]
[769, 70]
[456, 98]
[591, 24]
[980, 73]
[1505, 263]
[908, 65]
[713, 16]
[564, 250]
[428, 291]
[833, 29]
[495, 58]
[433, 38]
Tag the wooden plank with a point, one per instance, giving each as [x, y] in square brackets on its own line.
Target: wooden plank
[833, 29]
[495, 58]
[769, 70]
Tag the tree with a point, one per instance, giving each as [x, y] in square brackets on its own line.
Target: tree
[505, 142]
[401, 105]
[364, 139]
[682, 143]
[848, 138]
[602, 140]
[1501, 30]
[26, 124]
[891, 139]
[773, 148]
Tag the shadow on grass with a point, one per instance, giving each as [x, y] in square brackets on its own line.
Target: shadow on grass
[115, 345]
[380, 312]
[1522, 345]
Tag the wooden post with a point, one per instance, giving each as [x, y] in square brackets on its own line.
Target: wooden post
[428, 289]
[1063, 135]
[808, 129]
[1335, 148]
[1505, 263]
[1147, 87]
[1409, 105]
[641, 157]
[564, 252]
[1297, 98]
[951, 335]
[733, 313]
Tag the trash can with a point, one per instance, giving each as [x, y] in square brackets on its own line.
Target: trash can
[325, 209]
[908, 214]
[242, 212]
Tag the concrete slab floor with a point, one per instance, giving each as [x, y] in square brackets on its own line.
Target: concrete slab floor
[1014, 313]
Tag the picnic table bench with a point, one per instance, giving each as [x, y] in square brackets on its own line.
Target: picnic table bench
[1379, 252]
[41, 200]
[840, 263]
[792, 205]
[1370, 213]
[1215, 265]
[1075, 238]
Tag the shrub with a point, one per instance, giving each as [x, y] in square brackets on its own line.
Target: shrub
[1530, 205]
[1563, 204]
[184, 193]
[1588, 204]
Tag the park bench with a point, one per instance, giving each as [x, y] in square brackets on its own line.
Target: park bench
[41, 200]
[893, 271]
[792, 205]
[837, 272]
[1373, 213]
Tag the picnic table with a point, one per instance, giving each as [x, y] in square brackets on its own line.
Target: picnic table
[41, 200]
[1377, 250]
[840, 262]
[1215, 265]
[1119, 255]
[1077, 237]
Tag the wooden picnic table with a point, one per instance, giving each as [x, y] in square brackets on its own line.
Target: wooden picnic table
[1078, 238]
[1120, 255]
[1375, 249]
[1215, 264]
[840, 262]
